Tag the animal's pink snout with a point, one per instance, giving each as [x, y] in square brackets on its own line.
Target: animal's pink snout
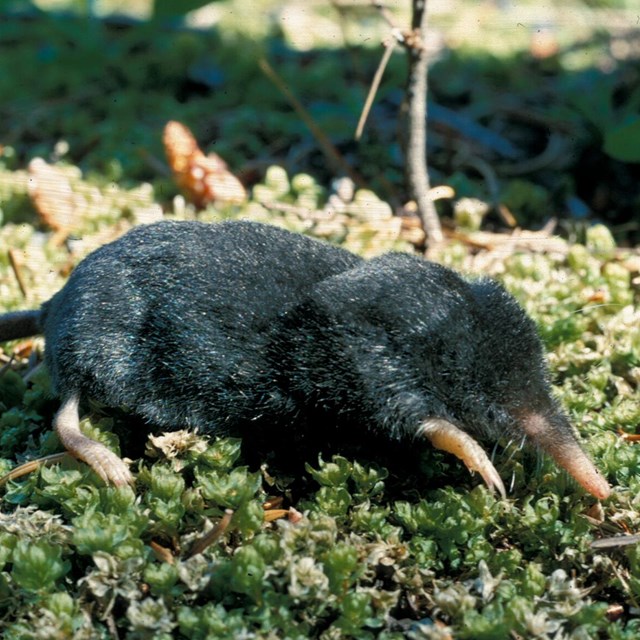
[556, 437]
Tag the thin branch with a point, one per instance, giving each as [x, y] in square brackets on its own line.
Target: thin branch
[16, 265]
[33, 465]
[162, 553]
[386, 15]
[416, 111]
[375, 84]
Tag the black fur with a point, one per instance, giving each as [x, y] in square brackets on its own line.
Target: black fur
[173, 319]
[397, 339]
[19, 324]
[241, 325]
[235, 324]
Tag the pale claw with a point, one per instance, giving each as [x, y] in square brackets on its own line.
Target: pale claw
[446, 436]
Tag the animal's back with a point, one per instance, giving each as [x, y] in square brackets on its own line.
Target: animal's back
[171, 319]
[376, 340]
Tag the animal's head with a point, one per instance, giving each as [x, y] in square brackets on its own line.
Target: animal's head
[502, 387]
[415, 348]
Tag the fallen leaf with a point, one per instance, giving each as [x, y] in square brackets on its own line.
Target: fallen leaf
[203, 179]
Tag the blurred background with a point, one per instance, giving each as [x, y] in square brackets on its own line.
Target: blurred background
[534, 108]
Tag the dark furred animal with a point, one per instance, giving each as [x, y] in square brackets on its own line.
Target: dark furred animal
[221, 326]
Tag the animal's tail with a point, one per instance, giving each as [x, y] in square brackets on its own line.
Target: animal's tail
[20, 324]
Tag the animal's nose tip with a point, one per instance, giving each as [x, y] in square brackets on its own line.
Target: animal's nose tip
[557, 438]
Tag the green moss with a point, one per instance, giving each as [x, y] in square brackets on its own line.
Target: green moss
[378, 553]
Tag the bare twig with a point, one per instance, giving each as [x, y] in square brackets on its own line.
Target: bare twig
[389, 45]
[556, 147]
[16, 265]
[616, 542]
[154, 162]
[112, 626]
[6, 366]
[532, 241]
[33, 368]
[415, 109]
[328, 148]
[385, 13]
[505, 213]
[304, 213]
[202, 543]
[485, 170]
[33, 465]
[162, 553]
[625, 436]
[416, 113]
[458, 125]
[274, 514]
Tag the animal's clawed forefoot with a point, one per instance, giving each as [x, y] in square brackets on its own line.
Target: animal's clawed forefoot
[104, 462]
[446, 436]
[490, 476]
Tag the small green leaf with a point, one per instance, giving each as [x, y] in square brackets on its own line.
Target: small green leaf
[165, 497]
[356, 610]
[229, 490]
[211, 621]
[341, 567]
[7, 545]
[110, 533]
[334, 501]
[150, 618]
[247, 572]
[248, 518]
[331, 474]
[37, 565]
[166, 485]
[369, 482]
[12, 388]
[222, 454]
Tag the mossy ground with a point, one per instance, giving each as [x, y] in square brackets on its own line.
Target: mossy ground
[395, 541]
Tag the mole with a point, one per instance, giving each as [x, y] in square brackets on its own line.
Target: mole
[238, 325]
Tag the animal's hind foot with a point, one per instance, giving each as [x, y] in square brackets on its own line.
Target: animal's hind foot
[111, 468]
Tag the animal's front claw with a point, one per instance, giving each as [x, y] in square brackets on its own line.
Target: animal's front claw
[446, 436]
